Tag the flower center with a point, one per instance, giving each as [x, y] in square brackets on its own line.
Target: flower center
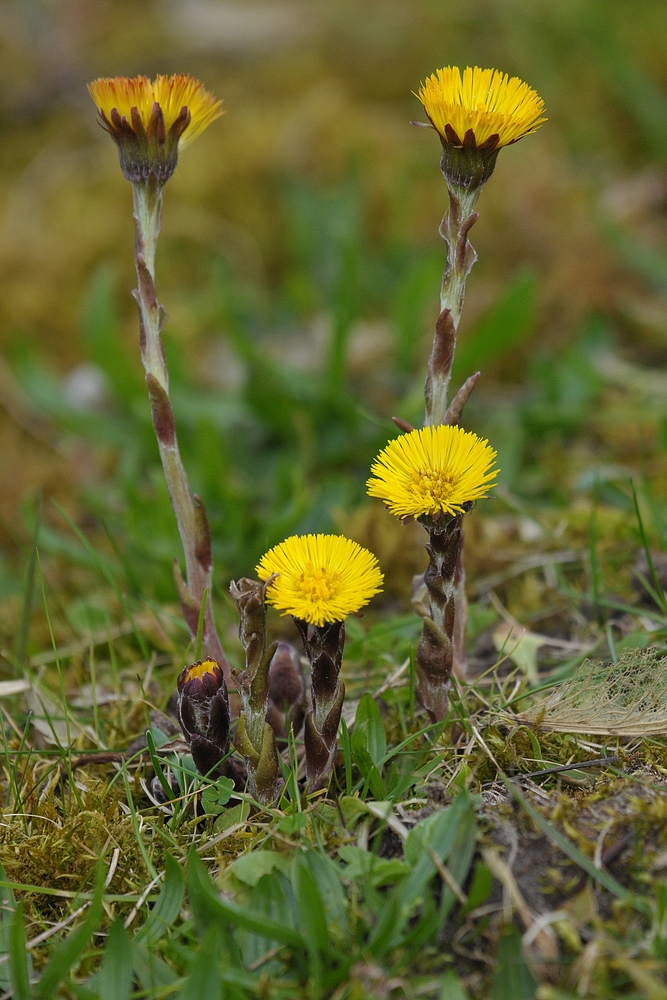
[201, 668]
[433, 486]
[317, 584]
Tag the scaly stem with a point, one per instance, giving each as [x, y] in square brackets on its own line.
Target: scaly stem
[323, 645]
[457, 223]
[436, 647]
[255, 739]
[189, 510]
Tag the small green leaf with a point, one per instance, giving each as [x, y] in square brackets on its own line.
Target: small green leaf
[215, 797]
[230, 817]
[250, 867]
[115, 978]
[365, 866]
[159, 736]
[512, 977]
[210, 906]
[293, 823]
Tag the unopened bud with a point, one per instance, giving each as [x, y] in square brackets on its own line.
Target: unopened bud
[287, 691]
[203, 712]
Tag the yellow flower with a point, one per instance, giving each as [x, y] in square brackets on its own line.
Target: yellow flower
[151, 120]
[431, 471]
[320, 578]
[484, 108]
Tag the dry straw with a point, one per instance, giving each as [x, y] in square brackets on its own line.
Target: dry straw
[628, 698]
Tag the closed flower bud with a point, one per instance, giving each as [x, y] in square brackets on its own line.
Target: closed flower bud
[203, 712]
[287, 691]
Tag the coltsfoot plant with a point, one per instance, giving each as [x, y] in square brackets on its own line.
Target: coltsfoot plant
[319, 580]
[434, 475]
[151, 122]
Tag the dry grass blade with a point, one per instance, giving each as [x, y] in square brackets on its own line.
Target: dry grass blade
[628, 698]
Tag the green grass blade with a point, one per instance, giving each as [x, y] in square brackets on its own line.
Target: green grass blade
[204, 978]
[376, 744]
[383, 933]
[347, 755]
[452, 988]
[438, 837]
[157, 765]
[412, 683]
[156, 977]
[168, 904]
[657, 594]
[7, 916]
[115, 978]
[18, 958]
[512, 977]
[312, 915]
[28, 590]
[312, 921]
[596, 575]
[150, 868]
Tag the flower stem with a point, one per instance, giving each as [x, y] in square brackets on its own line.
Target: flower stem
[435, 652]
[255, 739]
[189, 510]
[457, 223]
[323, 645]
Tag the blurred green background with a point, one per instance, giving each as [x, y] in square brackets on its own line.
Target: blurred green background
[300, 264]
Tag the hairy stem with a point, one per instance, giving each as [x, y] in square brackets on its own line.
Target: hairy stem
[189, 510]
[255, 739]
[323, 645]
[457, 223]
[434, 659]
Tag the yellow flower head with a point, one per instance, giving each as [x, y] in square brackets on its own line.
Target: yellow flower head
[320, 578]
[151, 120]
[432, 471]
[483, 108]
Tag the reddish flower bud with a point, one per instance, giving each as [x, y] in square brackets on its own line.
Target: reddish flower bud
[287, 691]
[203, 712]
